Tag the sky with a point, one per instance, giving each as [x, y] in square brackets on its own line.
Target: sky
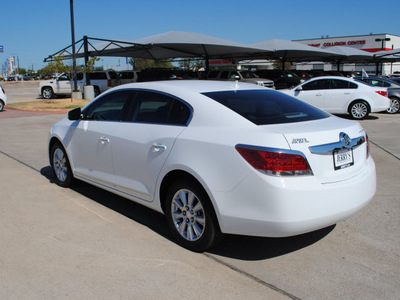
[34, 29]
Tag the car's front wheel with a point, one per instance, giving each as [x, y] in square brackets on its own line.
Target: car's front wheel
[394, 105]
[1, 105]
[60, 166]
[359, 110]
[191, 217]
[47, 92]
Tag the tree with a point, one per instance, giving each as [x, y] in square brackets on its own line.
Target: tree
[139, 64]
[278, 65]
[191, 64]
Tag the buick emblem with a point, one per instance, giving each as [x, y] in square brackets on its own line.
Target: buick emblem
[345, 139]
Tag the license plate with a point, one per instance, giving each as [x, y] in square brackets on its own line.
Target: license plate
[343, 159]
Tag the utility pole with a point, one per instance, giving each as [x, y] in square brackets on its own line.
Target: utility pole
[73, 47]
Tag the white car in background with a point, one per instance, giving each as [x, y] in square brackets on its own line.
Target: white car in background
[3, 98]
[339, 95]
[217, 157]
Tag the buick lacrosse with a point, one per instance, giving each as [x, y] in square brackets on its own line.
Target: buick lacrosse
[217, 157]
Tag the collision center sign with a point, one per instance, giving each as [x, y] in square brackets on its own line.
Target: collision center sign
[339, 43]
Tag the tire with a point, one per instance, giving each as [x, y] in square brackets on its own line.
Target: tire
[60, 166]
[1, 105]
[47, 92]
[359, 110]
[191, 217]
[394, 105]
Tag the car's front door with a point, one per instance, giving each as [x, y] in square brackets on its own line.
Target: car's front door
[143, 143]
[63, 84]
[92, 140]
[313, 92]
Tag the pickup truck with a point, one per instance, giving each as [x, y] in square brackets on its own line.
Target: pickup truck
[63, 85]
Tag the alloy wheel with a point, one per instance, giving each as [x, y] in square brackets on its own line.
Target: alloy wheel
[188, 215]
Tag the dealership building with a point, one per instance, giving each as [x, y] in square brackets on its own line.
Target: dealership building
[371, 43]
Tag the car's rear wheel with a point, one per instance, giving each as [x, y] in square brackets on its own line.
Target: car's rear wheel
[394, 105]
[1, 105]
[60, 166]
[47, 92]
[359, 110]
[191, 217]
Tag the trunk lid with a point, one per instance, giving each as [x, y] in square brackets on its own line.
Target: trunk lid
[323, 144]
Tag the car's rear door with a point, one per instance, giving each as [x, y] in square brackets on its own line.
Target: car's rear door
[339, 95]
[142, 143]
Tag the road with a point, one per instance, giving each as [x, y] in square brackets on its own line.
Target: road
[86, 243]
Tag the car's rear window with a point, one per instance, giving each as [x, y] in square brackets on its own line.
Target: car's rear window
[264, 107]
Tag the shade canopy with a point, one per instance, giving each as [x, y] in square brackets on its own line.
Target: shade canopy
[294, 51]
[173, 44]
[350, 54]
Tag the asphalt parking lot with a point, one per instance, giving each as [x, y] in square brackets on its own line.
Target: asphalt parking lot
[84, 243]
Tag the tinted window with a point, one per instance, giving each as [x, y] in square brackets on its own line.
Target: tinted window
[79, 76]
[113, 75]
[110, 107]
[156, 108]
[341, 84]
[126, 75]
[267, 106]
[316, 85]
[224, 75]
[97, 75]
[213, 74]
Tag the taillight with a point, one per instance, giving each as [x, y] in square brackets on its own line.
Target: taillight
[367, 145]
[3, 90]
[382, 93]
[275, 161]
[109, 82]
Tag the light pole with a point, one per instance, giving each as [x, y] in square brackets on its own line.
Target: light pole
[71, 2]
[382, 48]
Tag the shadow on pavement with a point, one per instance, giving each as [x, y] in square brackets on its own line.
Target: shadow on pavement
[233, 246]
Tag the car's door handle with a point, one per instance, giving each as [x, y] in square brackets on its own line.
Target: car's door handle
[318, 94]
[347, 93]
[157, 147]
[104, 140]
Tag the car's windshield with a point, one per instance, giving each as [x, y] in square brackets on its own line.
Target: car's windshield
[248, 74]
[264, 107]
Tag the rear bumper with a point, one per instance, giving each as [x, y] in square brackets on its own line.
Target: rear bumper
[278, 207]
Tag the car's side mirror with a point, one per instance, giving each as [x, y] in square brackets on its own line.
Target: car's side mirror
[298, 89]
[75, 114]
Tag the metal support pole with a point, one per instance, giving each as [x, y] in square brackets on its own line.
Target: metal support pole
[73, 47]
[86, 49]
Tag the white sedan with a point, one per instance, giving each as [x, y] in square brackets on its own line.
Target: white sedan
[217, 157]
[3, 99]
[340, 95]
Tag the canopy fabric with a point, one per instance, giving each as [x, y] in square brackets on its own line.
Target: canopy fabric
[294, 51]
[174, 44]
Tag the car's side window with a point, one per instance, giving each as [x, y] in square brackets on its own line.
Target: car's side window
[339, 84]
[213, 74]
[157, 108]
[110, 107]
[224, 75]
[316, 85]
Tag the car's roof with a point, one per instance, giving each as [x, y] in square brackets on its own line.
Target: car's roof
[333, 77]
[197, 86]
